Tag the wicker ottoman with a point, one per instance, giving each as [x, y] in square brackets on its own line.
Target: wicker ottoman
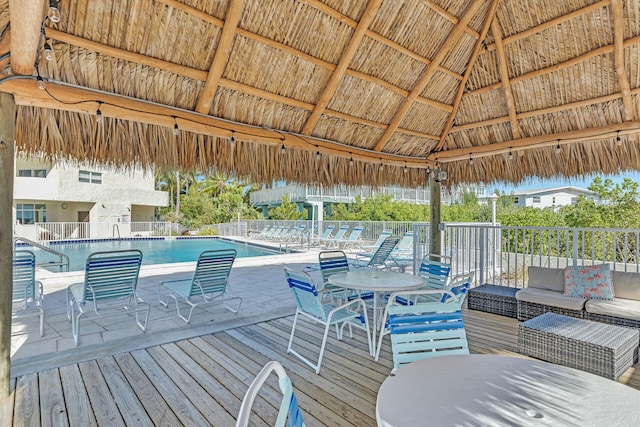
[494, 299]
[605, 350]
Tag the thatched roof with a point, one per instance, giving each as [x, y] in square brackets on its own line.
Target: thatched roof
[352, 91]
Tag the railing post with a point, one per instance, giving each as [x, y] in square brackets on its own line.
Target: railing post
[483, 252]
[574, 231]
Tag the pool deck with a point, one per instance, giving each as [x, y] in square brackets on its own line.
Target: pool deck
[258, 280]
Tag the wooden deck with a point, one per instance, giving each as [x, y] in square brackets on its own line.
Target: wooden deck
[201, 381]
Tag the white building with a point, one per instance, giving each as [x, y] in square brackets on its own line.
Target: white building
[54, 192]
[554, 197]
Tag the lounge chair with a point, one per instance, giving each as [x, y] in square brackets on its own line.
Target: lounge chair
[404, 250]
[295, 235]
[261, 234]
[289, 413]
[372, 248]
[209, 283]
[309, 304]
[325, 235]
[425, 329]
[381, 259]
[27, 291]
[110, 281]
[336, 238]
[352, 240]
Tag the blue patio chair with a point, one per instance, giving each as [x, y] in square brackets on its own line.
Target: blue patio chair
[289, 414]
[209, 283]
[27, 291]
[427, 328]
[110, 281]
[435, 273]
[309, 305]
[352, 240]
[332, 262]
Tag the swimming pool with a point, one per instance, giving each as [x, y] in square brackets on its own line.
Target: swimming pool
[154, 251]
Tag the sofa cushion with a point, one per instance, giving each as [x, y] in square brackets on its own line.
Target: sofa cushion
[619, 307]
[626, 285]
[552, 298]
[588, 281]
[551, 279]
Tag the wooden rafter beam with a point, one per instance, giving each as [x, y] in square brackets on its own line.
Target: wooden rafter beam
[5, 47]
[450, 17]
[428, 74]
[618, 44]
[534, 142]
[548, 110]
[552, 23]
[343, 64]
[202, 76]
[504, 77]
[467, 73]
[604, 50]
[26, 21]
[317, 61]
[221, 58]
[87, 101]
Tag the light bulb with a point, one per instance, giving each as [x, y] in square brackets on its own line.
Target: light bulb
[54, 12]
[283, 149]
[381, 166]
[48, 52]
[470, 160]
[318, 156]
[558, 149]
[350, 162]
[176, 129]
[98, 115]
[510, 155]
[41, 84]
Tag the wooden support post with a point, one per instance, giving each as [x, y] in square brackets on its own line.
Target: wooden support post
[7, 138]
[435, 246]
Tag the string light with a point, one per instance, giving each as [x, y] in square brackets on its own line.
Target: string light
[405, 168]
[381, 166]
[41, 84]
[318, 155]
[618, 139]
[283, 149]
[510, 154]
[558, 149]
[48, 52]
[54, 12]
[176, 129]
[351, 162]
[99, 113]
[470, 159]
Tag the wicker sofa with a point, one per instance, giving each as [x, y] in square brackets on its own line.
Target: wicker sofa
[544, 293]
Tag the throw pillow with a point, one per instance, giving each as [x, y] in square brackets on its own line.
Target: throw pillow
[592, 281]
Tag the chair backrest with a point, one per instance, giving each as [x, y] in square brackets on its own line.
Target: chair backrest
[305, 293]
[111, 274]
[427, 329]
[355, 234]
[381, 255]
[212, 272]
[383, 235]
[435, 273]
[332, 262]
[406, 243]
[340, 233]
[24, 277]
[327, 232]
[289, 413]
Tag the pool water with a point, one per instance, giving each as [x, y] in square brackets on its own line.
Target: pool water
[155, 251]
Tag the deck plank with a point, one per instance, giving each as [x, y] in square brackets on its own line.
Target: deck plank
[27, 401]
[76, 398]
[105, 410]
[7, 405]
[53, 411]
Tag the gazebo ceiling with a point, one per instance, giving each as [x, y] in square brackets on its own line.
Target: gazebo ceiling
[331, 91]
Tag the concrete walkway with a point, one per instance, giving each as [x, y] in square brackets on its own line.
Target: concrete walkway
[259, 281]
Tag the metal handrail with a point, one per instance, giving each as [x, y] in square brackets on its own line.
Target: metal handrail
[63, 262]
[115, 228]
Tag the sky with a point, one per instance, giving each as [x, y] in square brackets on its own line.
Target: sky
[536, 184]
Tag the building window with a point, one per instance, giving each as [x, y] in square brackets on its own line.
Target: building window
[30, 214]
[574, 200]
[536, 199]
[36, 173]
[90, 177]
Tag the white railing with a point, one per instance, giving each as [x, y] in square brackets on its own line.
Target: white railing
[337, 194]
[46, 231]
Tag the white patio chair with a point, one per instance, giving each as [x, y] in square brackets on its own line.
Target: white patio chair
[27, 291]
[309, 305]
[289, 414]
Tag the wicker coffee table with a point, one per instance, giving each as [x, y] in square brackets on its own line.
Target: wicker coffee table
[494, 299]
[605, 350]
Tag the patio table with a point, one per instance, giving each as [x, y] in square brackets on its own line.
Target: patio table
[377, 282]
[499, 391]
